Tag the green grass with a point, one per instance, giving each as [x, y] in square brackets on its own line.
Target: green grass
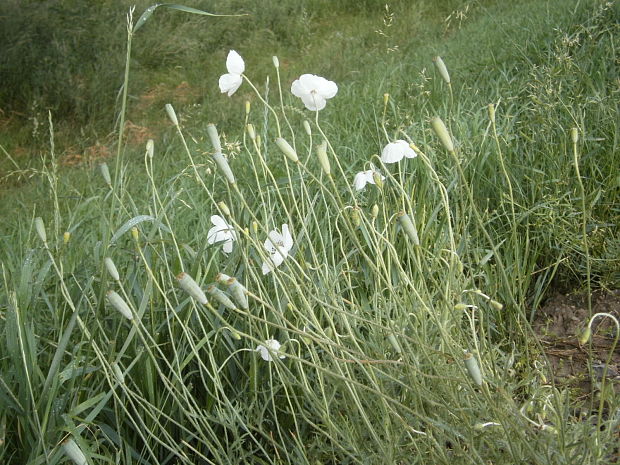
[373, 325]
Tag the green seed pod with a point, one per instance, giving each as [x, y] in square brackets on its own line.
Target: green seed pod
[224, 167]
[40, 228]
[222, 298]
[472, 368]
[441, 67]
[491, 108]
[105, 173]
[187, 283]
[214, 136]
[287, 150]
[442, 132]
[251, 131]
[73, 451]
[409, 227]
[111, 267]
[321, 152]
[172, 114]
[119, 304]
[239, 293]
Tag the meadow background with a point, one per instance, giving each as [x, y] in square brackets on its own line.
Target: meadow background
[400, 346]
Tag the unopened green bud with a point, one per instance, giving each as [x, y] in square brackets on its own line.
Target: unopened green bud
[135, 234]
[224, 167]
[214, 137]
[105, 173]
[222, 298]
[224, 208]
[66, 237]
[574, 135]
[386, 98]
[496, 305]
[442, 132]
[307, 127]
[276, 62]
[239, 293]
[409, 227]
[73, 451]
[247, 107]
[287, 150]
[355, 217]
[378, 179]
[187, 283]
[375, 211]
[111, 267]
[394, 343]
[472, 368]
[172, 114]
[119, 304]
[441, 67]
[222, 278]
[585, 335]
[251, 131]
[39, 226]
[118, 373]
[254, 227]
[491, 108]
[460, 307]
[321, 152]
[150, 148]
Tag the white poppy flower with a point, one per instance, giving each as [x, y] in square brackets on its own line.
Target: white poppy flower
[271, 346]
[364, 177]
[221, 232]
[230, 82]
[395, 151]
[278, 246]
[314, 91]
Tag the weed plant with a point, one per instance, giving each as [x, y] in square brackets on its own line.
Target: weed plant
[163, 314]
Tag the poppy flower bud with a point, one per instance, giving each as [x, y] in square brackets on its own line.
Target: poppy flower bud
[111, 267]
[224, 208]
[460, 307]
[441, 67]
[73, 451]
[378, 179]
[66, 237]
[150, 148]
[307, 127]
[394, 343]
[491, 108]
[214, 136]
[172, 114]
[355, 217]
[375, 211]
[135, 234]
[222, 278]
[239, 293]
[585, 335]
[442, 132]
[496, 305]
[321, 152]
[224, 167]
[118, 373]
[187, 283]
[409, 227]
[472, 368]
[248, 105]
[222, 298]
[105, 173]
[287, 150]
[40, 228]
[574, 135]
[119, 304]
[276, 62]
[251, 132]
[386, 98]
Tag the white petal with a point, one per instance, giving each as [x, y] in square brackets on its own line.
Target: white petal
[217, 234]
[314, 102]
[287, 239]
[234, 63]
[278, 257]
[298, 90]
[359, 182]
[228, 246]
[220, 222]
[267, 267]
[229, 83]
[392, 153]
[409, 152]
[327, 89]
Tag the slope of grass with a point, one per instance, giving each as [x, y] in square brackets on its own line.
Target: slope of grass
[402, 342]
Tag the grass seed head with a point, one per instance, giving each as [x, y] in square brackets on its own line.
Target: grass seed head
[187, 283]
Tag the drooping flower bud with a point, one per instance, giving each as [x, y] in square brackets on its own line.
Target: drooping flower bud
[248, 106]
[355, 217]
[394, 343]
[105, 173]
[251, 131]
[150, 148]
[172, 114]
[119, 304]
[574, 135]
[222, 298]
[409, 227]
[111, 267]
[40, 228]
[224, 167]
[307, 127]
[386, 98]
[496, 305]
[187, 283]
[321, 152]
[375, 211]
[276, 62]
[491, 108]
[214, 136]
[442, 132]
[239, 292]
[472, 368]
[66, 237]
[441, 67]
[585, 335]
[460, 307]
[73, 451]
[135, 234]
[224, 208]
[287, 150]
[118, 373]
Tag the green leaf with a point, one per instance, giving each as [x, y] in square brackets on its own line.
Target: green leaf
[150, 10]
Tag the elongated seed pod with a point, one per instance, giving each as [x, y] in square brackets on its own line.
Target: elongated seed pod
[472, 368]
[40, 228]
[111, 267]
[442, 132]
[222, 298]
[287, 150]
[187, 283]
[73, 451]
[409, 227]
[119, 304]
